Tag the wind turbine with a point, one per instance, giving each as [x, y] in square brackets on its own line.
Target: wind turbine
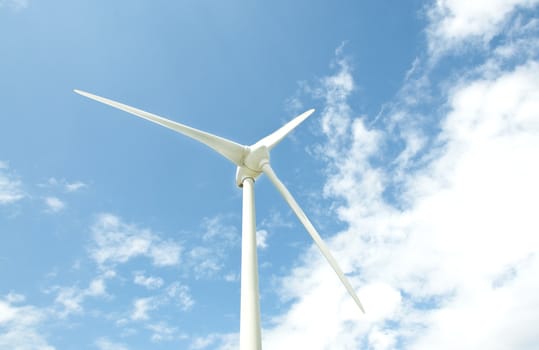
[251, 162]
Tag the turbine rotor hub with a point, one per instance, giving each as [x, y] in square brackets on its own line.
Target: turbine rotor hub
[252, 165]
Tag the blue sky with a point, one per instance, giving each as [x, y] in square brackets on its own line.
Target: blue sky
[418, 168]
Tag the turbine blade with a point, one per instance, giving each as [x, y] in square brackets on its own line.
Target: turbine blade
[312, 231]
[274, 138]
[229, 149]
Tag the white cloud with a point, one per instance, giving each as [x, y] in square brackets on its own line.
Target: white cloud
[74, 186]
[54, 204]
[117, 242]
[141, 308]
[10, 187]
[180, 295]
[106, 344]
[261, 238]
[96, 288]
[165, 253]
[381, 340]
[455, 250]
[72, 298]
[216, 229]
[176, 294]
[227, 341]
[149, 282]
[201, 342]
[64, 184]
[232, 277]
[454, 22]
[336, 113]
[22, 325]
[15, 5]
[473, 210]
[204, 261]
[163, 332]
[275, 220]
[14, 298]
[218, 238]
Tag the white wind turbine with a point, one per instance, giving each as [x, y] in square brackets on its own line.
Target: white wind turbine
[251, 162]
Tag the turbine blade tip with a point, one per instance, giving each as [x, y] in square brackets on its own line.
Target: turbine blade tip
[308, 112]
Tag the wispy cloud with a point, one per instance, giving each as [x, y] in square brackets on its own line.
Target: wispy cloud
[71, 298]
[142, 306]
[222, 341]
[54, 204]
[75, 186]
[454, 23]
[175, 294]
[270, 224]
[15, 5]
[163, 332]
[203, 342]
[231, 277]
[261, 237]
[218, 237]
[150, 282]
[22, 325]
[10, 186]
[275, 220]
[180, 295]
[64, 184]
[117, 242]
[106, 344]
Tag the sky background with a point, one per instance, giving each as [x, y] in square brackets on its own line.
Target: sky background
[419, 168]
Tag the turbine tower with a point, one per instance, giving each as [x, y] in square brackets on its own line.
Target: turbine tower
[251, 162]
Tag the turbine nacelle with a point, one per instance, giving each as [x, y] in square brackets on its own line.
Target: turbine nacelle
[257, 156]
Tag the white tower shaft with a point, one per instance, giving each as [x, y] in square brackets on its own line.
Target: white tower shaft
[250, 333]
